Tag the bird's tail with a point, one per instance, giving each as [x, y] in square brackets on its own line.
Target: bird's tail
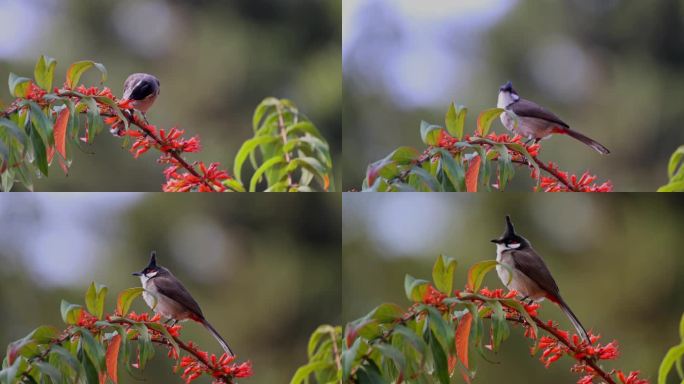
[598, 147]
[573, 319]
[218, 337]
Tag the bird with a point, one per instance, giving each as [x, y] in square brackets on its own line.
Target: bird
[167, 296]
[535, 122]
[531, 277]
[142, 90]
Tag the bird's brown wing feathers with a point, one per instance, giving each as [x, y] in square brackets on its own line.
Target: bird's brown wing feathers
[532, 265]
[526, 108]
[178, 293]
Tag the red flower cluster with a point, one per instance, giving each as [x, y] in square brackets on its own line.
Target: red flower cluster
[86, 320]
[632, 378]
[582, 351]
[209, 180]
[498, 293]
[433, 297]
[221, 369]
[144, 317]
[35, 92]
[584, 183]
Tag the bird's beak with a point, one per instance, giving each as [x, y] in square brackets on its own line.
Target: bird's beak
[137, 273]
[495, 241]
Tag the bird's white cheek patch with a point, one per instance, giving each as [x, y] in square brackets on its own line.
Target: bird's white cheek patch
[513, 245]
[152, 274]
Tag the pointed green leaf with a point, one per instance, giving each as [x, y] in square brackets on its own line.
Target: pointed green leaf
[455, 120]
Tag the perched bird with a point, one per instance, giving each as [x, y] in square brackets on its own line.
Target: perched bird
[142, 90]
[531, 277]
[167, 296]
[534, 121]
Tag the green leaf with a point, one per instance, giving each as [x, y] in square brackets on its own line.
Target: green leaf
[317, 335]
[485, 119]
[70, 312]
[309, 164]
[430, 133]
[41, 123]
[477, 272]
[49, 370]
[248, 147]
[521, 309]
[88, 366]
[145, 345]
[261, 109]
[681, 328]
[369, 373]
[410, 336]
[95, 297]
[454, 171]
[126, 297]
[500, 327]
[386, 313]
[506, 169]
[403, 155]
[455, 120]
[70, 360]
[426, 178]
[415, 288]
[93, 349]
[268, 164]
[115, 107]
[18, 86]
[440, 359]
[393, 354]
[302, 374]
[43, 334]
[442, 329]
[39, 152]
[304, 127]
[234, 184]
[672, 187]
[348, 358]
[13, 129]
[675, 160]
[44, 72]
[443, 274]
[673, 354]
[95, 124]
[78, 68]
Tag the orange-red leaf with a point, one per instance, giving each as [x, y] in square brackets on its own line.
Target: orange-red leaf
[112, 357]
[461, 341]
[472, 174]
[60, 131]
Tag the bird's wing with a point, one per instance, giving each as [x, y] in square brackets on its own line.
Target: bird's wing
[141, 90]
[532, 265]
[526, 108]
[178, 293]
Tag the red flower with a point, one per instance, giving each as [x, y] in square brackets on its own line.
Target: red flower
[433, 296]
[445, 140]
[86, 320]
[498, 293]
[632, 378]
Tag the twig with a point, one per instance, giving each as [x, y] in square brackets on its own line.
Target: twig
[283, 136]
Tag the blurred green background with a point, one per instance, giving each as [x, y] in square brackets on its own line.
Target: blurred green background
[216, 61]
[265, 271]
[613, 70]
[617, 259]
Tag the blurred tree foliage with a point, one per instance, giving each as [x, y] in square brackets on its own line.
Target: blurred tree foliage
[266, 271]
[216, 60]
